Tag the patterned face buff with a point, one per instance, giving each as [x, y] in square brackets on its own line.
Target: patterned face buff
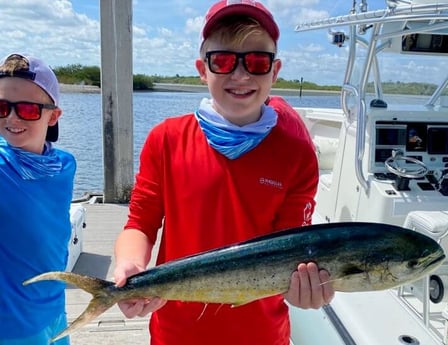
[29, 165]
[230, 140]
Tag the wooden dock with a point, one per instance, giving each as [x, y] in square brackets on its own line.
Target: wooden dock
[103, 223]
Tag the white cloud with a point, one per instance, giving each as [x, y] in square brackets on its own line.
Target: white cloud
[313, 48]
[51, 30]
[194, 25]
[166, 37]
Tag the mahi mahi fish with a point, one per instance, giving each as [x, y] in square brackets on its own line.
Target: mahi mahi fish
[359, 257]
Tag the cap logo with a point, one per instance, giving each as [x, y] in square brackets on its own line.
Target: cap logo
[246, 2]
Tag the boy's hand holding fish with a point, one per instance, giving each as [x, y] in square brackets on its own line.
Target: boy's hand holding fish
[309, 287]
[135, 306]
[134, 260]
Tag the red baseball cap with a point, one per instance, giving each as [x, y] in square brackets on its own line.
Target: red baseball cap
[249, 8]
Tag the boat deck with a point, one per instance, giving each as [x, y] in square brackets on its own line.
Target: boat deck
[103, 224]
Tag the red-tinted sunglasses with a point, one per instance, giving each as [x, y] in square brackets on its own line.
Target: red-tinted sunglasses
[225, 62]
[28, 111]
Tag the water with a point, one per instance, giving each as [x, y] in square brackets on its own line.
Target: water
[81, 126]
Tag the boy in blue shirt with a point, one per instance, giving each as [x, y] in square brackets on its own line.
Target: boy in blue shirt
[36, 183]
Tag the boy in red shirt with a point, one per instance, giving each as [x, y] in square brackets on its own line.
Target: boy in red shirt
[241, 166]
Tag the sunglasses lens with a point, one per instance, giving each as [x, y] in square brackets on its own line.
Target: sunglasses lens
[258, 63]
[4, 109]
[222, 63]
[28, 111]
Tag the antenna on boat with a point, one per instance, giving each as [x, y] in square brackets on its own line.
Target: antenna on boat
[363, 8]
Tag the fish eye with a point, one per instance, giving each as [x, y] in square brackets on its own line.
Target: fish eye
[412, 263]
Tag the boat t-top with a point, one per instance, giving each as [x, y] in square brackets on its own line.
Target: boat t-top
[384, 158]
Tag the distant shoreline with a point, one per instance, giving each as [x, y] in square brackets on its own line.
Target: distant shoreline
[75, 88]
[161, 87]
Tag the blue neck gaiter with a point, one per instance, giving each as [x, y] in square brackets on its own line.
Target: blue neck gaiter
[29, 165]
[229, 139]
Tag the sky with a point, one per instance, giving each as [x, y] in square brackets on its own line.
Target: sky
[166, 37]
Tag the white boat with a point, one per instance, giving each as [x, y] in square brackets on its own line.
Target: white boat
[75, 244]
[383, 161]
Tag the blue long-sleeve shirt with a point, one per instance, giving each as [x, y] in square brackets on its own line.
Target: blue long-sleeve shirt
[35, 197]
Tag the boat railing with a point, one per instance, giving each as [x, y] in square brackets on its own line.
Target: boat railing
[360, 131]
[435, 225]
[437, 93]
[423, 12]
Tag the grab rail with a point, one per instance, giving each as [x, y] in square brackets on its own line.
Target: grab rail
[402, 13]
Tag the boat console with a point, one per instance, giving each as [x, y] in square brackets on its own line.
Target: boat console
[405, 163]
[405, 148]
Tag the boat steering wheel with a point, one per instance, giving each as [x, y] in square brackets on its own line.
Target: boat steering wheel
[392, 166]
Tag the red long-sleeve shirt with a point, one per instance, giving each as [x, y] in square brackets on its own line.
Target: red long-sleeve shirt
[206, 201]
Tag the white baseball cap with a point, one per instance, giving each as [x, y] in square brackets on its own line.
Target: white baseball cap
[40, 74]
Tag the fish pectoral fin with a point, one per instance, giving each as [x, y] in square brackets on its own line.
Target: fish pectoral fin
[348, 270]
[332, 281]
[96, 307]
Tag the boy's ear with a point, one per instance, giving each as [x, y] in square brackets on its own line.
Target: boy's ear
[202, 69]
[55, 114]
[276, 68]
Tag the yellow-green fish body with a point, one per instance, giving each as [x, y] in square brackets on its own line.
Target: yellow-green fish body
[358, 256]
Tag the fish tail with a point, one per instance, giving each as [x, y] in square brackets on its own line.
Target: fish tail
[91, 285]
[101, 301]
[96, 307]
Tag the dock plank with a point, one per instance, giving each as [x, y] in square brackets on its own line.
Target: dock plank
[103, 224]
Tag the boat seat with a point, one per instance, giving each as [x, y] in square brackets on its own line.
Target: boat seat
[431, 223]
[326, 148]
[326, 177]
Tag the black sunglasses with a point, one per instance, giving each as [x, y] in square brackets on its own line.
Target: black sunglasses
[225, 62]
[28, 111]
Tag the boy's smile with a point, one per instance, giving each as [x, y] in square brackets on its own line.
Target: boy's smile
[27, 135]
[238, 95]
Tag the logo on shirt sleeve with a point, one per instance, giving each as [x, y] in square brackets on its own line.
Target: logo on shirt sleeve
[307, 213]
